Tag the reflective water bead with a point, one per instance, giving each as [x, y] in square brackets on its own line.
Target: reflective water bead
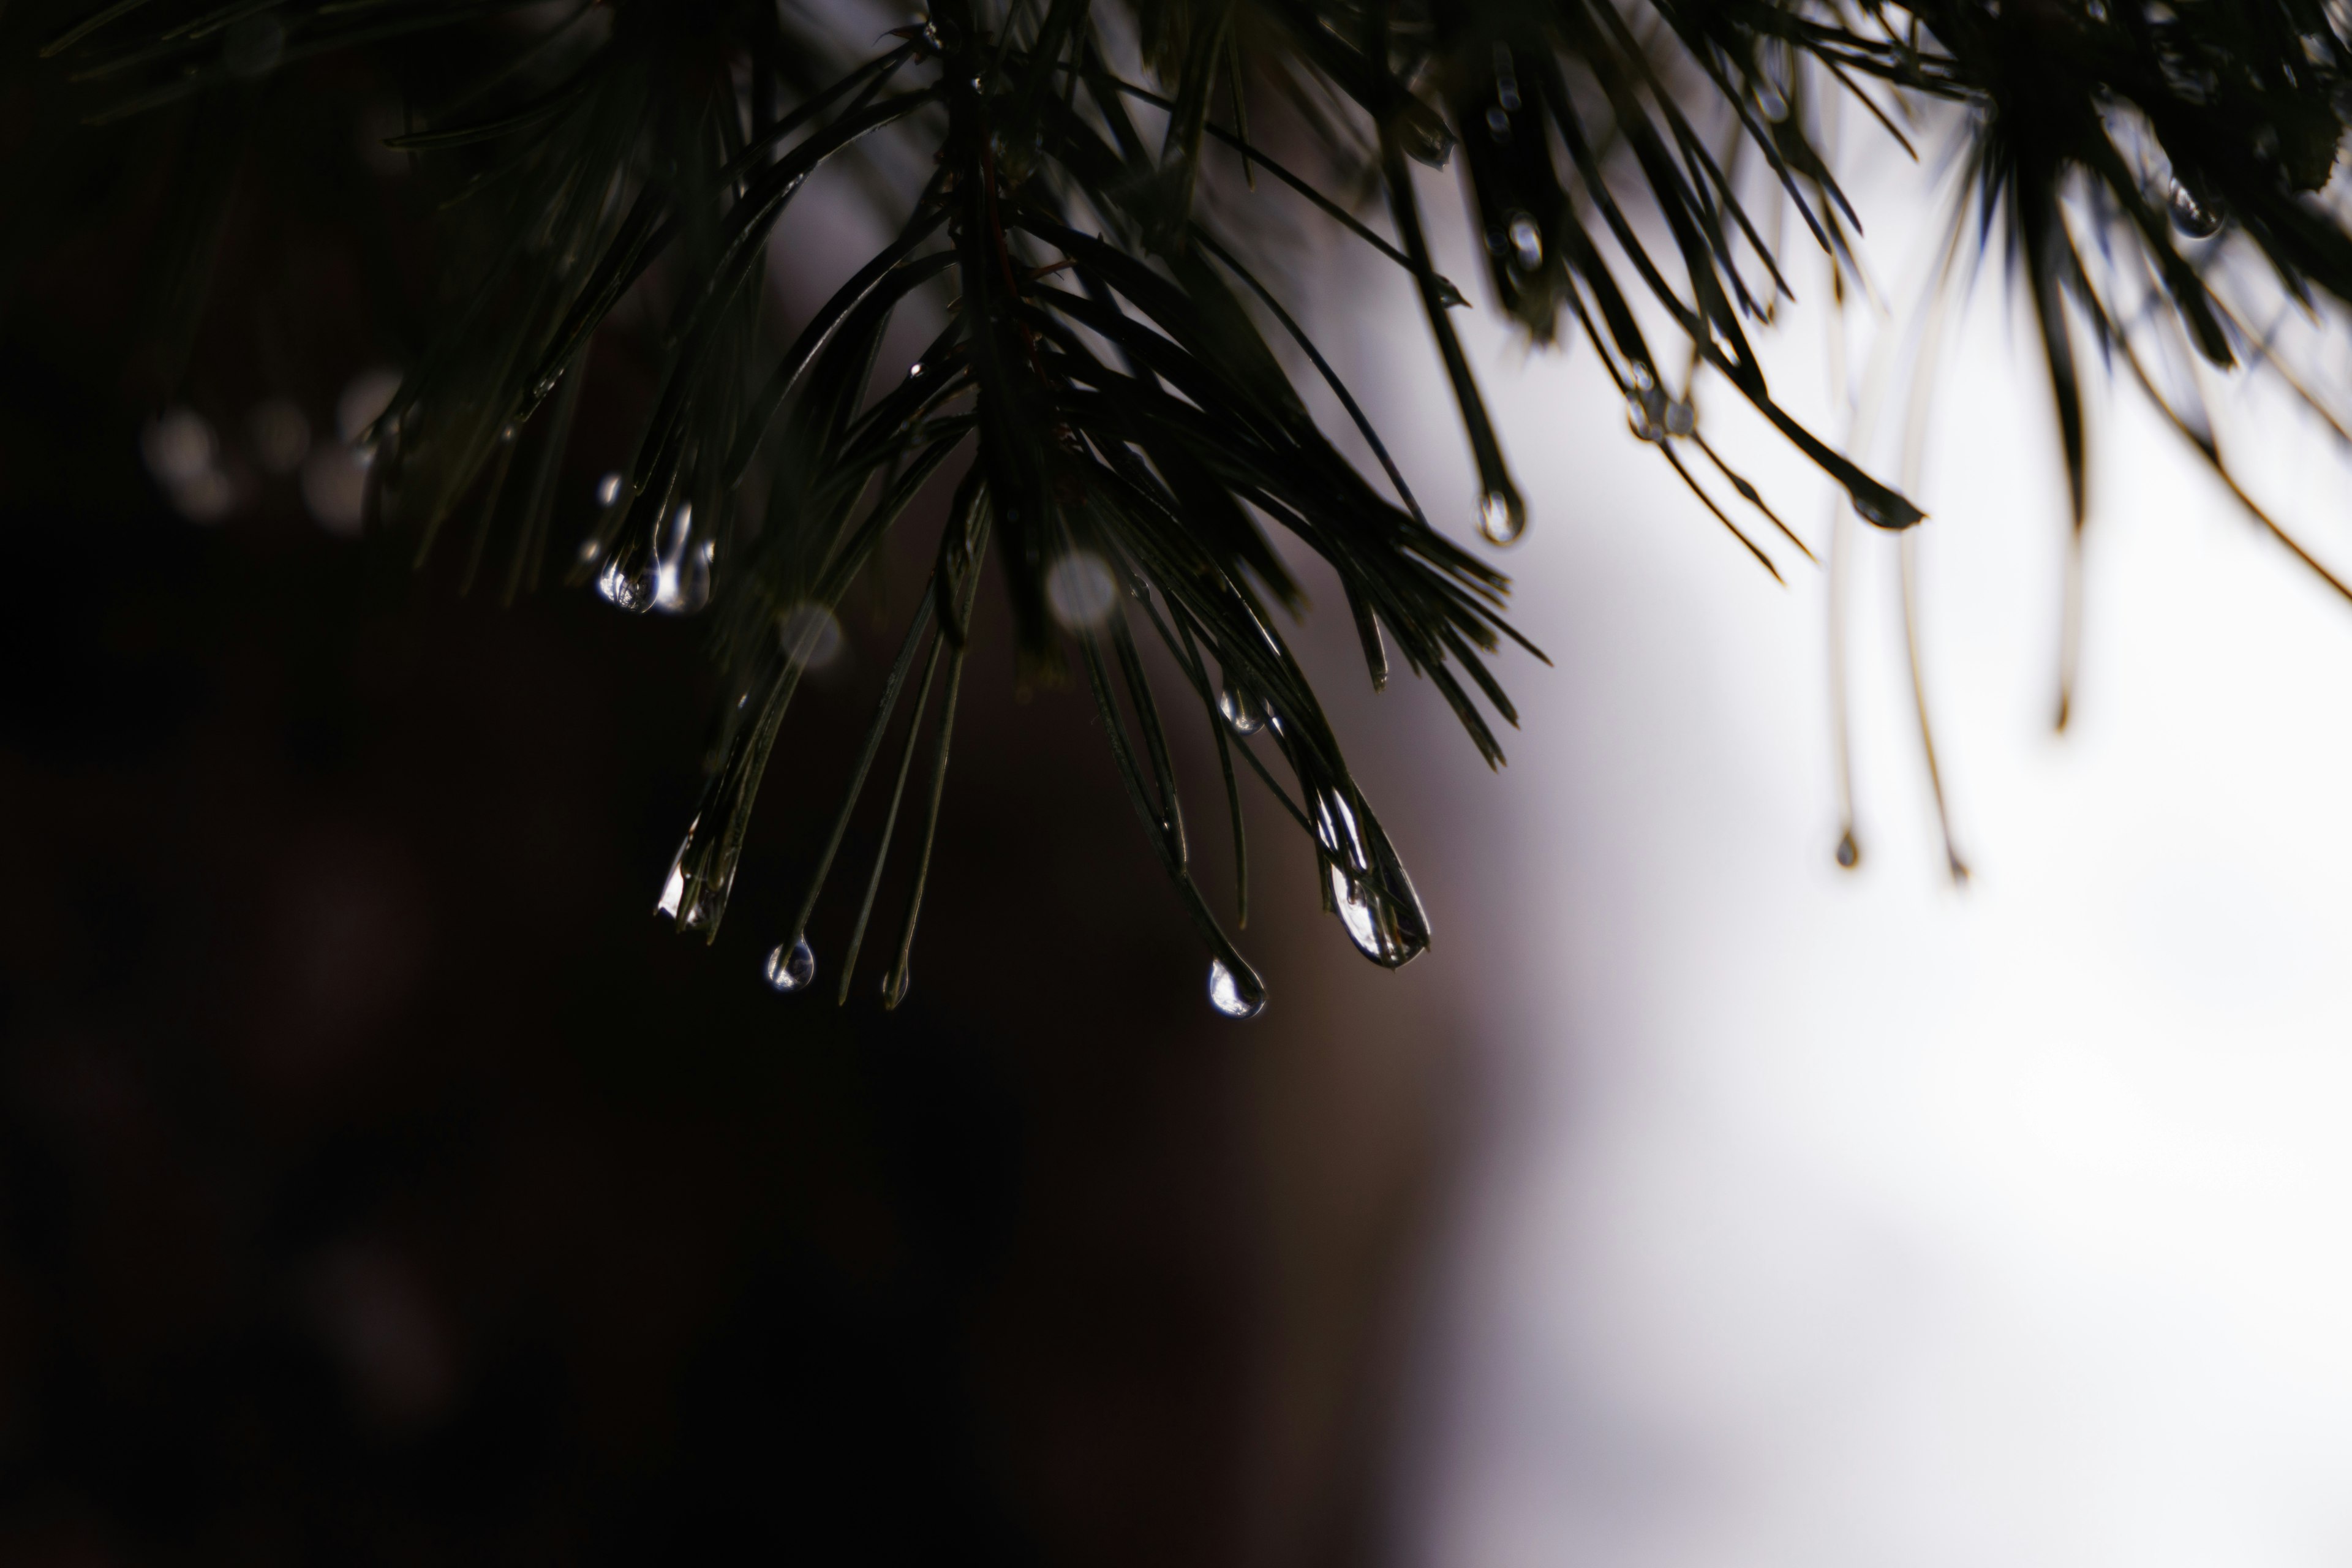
[791, 968]
[1080, 589]
[2197, 219]
[1849, 853]
[622, 588]
[1356, 912]
[1242, 708]
[1226, 995]
[1681, 418]
[1502, 517]
[608, 489]
[1527, 243]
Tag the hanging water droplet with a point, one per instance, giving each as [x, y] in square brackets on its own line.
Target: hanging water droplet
[1527, 243]
[1498, 123]
[1502, 517]
[1849, 853]
[1080, 589]
[1768, 100]
[895, 987]
[791, 968]
[1448, 295]
[1356, 912]
[608, 489]
[1681, 418]
[1227, 996]
[1887, 511]
[2198, 219]
[1423, 135]
[674, 890]
[624, 589]
[1242, 708]
[1646, 412]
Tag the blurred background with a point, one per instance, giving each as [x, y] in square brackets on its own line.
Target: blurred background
[381, 1183]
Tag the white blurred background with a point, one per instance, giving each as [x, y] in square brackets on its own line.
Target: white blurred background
[1854, 1218]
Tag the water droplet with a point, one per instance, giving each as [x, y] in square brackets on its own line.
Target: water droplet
[1849, 853]
[1226, 993]
[1642, 377]
[1243, 708]
[1527, 243]
[608, 489]
[1649, 409]
[1423, 135]
[810, 635]
[1080, 589]
[1498, 123]
[1448, 295]
[791, 968]
[1768, 100]
[914, 370]
[280, 435]
[682, 571]
[253, 46]
[1357, 914]
[508, 433]
[2198, 219]
[1888, 510]
[624, 589]
[1502, 517]
[1681, 418]
[895, 987]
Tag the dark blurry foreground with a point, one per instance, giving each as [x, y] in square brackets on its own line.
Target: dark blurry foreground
[381, 1184]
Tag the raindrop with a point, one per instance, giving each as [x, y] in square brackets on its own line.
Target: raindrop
[1226, 995]
[792, 968]
[1502, 517]
[1646, 410]
[624, 589]
[1527, 243]
[1891, 513]
[1080, 589]
[253, 46]
[1423, 135]
[1242, 708]
[682, 573]
[608, 491]
[810, 635]
[1849, 853]
[179, 447]
[1356, 912]
[2197, 219]
[280, 435]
